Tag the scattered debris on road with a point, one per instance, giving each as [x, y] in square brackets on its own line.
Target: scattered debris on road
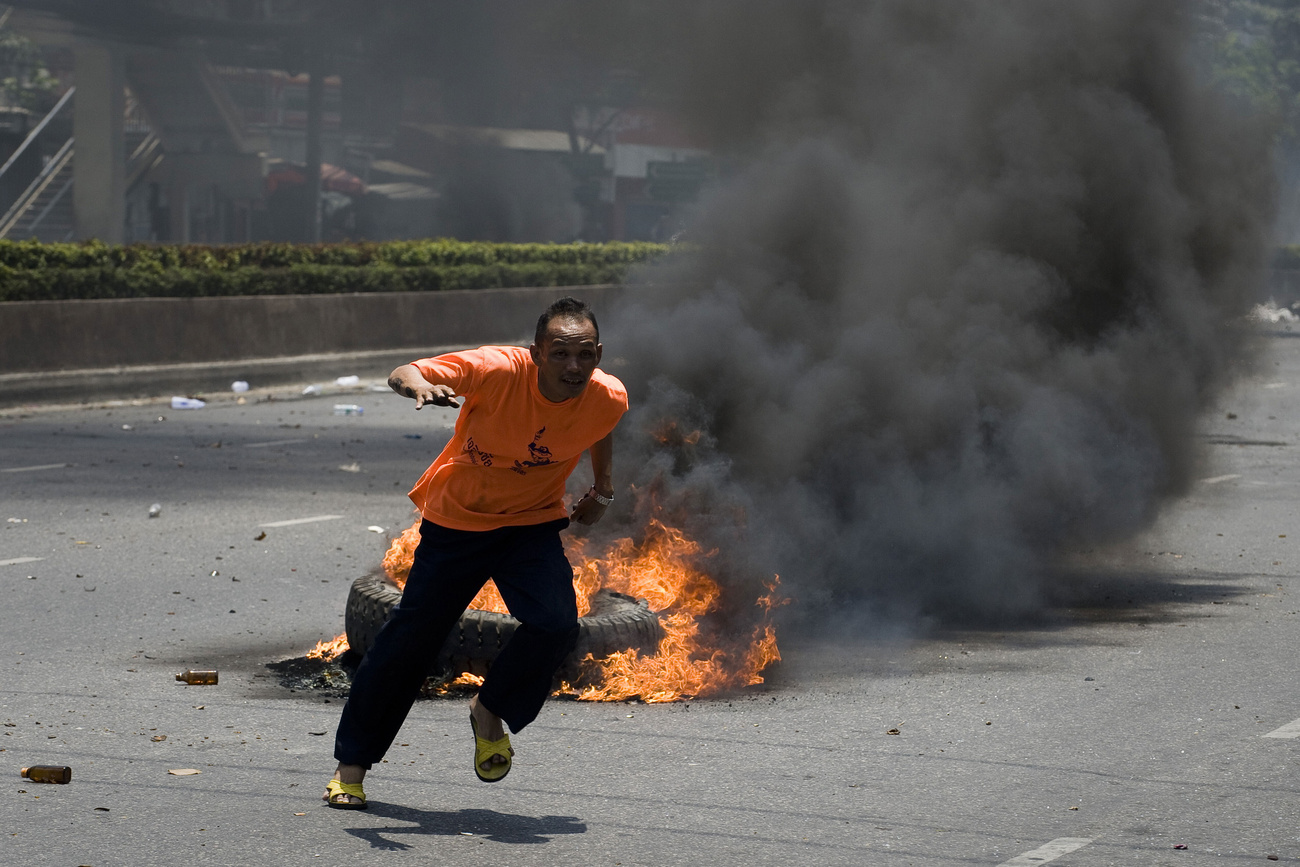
[198, 677]
[47, 774]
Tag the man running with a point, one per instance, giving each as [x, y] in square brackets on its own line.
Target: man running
[492, 507]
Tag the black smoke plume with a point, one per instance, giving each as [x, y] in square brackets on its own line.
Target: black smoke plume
[957, 307]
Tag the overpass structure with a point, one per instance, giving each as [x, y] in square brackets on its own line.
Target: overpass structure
[149, 102]
[503, 121]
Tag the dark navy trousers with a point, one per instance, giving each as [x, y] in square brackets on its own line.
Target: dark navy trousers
[450, 567]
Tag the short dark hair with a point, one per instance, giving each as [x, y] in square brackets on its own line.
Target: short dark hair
[566, 307]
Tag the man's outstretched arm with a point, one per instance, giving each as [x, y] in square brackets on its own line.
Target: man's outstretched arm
[409, 382]
[588, 510]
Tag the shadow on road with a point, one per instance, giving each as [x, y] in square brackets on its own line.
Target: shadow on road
[488, 824]
[1139, 596]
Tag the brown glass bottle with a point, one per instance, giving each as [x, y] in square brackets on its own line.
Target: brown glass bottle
[47, 774]
[197, 676]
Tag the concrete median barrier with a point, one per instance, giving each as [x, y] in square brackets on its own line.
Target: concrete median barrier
[74, 351]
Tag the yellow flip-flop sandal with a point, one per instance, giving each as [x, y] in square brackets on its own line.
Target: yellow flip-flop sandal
[485, 749]
[334, 790]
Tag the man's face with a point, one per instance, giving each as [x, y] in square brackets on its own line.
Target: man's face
[566, 357]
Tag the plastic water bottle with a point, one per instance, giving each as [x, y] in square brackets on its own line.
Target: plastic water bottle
[187, 403]
[348, 409]
[346, 381]
[198, 677]
[47, 774]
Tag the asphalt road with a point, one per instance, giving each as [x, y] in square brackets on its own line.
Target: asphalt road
[1131, 719]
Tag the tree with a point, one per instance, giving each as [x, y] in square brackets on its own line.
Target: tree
[1254, 52]
[25, 79]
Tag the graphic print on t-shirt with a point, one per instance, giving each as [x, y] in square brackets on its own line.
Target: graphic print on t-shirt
[478, 456]
[538, 455]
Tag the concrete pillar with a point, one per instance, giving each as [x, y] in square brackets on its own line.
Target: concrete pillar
[315, 116]
[99, 158]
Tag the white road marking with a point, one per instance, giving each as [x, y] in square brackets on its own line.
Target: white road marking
[1214, 480]
[1048, 852]
[272, 443]
[16, 560]
[30, 469]
[1290, 730]
[312, 520]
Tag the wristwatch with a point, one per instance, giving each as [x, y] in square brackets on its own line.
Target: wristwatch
[595, 495]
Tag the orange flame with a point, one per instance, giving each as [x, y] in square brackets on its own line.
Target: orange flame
[685, 664]
[669, 435]
[329, 650]
[401, 554]
[664, 570]
[465, 680]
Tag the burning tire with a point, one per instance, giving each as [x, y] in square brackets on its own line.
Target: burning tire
[616, 622]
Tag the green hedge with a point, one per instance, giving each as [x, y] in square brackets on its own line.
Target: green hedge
[33, 271]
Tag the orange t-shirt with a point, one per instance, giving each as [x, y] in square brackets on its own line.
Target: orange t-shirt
[513, 449]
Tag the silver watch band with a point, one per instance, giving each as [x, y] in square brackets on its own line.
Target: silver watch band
[595, 495]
